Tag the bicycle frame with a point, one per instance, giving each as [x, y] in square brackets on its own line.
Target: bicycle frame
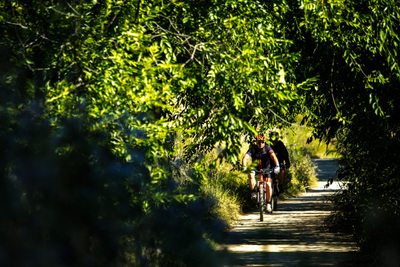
[262, 191]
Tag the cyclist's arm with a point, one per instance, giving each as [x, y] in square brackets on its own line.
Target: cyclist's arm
[274, 158]
[244, 159]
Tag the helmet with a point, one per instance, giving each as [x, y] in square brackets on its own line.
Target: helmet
[260, 137]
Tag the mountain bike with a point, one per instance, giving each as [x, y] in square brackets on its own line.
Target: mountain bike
[262, 192]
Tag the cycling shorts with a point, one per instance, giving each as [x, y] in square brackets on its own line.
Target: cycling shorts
[253, 172]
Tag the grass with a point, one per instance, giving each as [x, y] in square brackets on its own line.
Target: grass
[301, 137]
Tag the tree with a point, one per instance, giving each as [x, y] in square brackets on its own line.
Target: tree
[353, 54]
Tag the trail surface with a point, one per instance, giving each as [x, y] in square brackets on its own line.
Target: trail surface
[293, 235]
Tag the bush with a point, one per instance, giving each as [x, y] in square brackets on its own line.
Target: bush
[67, 200]
[301, 175]
[67, 208]
[369, 207]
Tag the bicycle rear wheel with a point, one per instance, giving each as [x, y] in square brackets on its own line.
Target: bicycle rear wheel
[274, 195]
[274, 203]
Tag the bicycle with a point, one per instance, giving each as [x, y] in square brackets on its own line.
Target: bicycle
[262, 192]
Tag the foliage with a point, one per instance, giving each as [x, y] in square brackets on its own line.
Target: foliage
[301, 175]
[353, 54]
[133, 75]
[302, 136]
[136, 75]
[236, 60]
[67, 199]
[70, 207]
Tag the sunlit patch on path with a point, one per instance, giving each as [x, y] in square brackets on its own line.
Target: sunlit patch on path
[294, 235]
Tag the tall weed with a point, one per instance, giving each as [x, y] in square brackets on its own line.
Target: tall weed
[301, 136]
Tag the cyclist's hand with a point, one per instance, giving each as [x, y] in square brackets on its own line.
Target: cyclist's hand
[277, 170]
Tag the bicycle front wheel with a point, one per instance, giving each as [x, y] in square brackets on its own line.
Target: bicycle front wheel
[261, 203]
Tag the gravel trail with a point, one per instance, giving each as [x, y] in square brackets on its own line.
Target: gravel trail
[293, 235]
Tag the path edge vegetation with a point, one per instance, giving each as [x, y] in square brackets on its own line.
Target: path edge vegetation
[97, 96]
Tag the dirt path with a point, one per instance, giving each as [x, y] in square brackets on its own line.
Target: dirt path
[291, 236]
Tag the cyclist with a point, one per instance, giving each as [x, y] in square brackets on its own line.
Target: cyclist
[263, 154]
[282, 155]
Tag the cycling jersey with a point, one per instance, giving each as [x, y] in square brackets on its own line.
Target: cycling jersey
[281, 153]
[261, 155]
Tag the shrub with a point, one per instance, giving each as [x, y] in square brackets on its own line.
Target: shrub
[301, 175]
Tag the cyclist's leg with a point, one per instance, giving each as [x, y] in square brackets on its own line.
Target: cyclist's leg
[269, 189]
[281, 179]
[252, 180]
[269, 194]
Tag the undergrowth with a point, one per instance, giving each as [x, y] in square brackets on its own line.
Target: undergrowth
[301, 136]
